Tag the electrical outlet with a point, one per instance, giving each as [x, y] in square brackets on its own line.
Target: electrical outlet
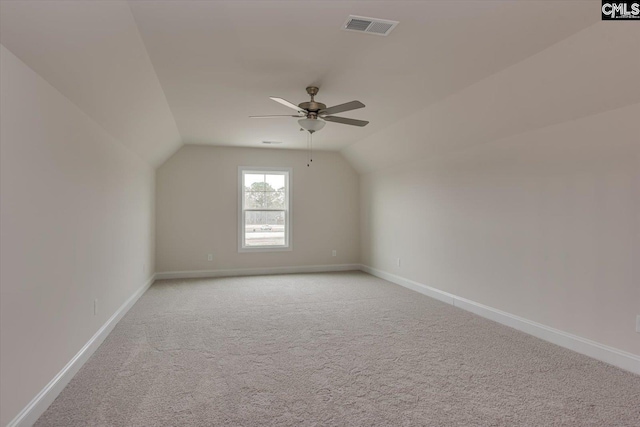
[95, 307]
[210, 257]
[334, 253]
[398, 262]
[638, 323]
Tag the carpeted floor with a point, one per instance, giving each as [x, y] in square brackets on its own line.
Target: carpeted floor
[334, 349]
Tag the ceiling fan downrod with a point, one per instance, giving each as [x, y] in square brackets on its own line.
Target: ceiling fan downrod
[312, 107]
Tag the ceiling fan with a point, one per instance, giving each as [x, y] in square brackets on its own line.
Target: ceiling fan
[313, 115]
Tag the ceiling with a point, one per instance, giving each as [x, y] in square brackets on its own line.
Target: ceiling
[158, 74]
[93, 54]
[578, 77]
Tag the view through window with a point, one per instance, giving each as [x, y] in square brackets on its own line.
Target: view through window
[265, 209]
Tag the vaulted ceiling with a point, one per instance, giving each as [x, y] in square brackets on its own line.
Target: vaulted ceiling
[159, 74]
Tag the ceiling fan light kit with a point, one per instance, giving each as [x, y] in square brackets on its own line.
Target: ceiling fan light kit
[311, 125]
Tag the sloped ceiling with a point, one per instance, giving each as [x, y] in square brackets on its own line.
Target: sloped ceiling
[93, 54]
[585, 74]
[157, 74]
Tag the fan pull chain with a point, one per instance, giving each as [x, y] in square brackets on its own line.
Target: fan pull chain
[308, 148]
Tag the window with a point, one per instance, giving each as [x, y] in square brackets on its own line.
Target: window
[264, 209]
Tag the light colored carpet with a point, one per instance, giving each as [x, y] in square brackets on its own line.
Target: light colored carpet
[335, 349]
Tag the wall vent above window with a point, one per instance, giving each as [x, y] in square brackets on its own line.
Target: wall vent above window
[379, 27]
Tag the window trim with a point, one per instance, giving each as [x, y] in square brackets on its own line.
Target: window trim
[288, 173]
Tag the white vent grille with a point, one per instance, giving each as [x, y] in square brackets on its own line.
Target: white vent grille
[380, 27]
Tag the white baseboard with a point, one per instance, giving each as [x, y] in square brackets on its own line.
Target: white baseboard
[610, 355]
[200, 274]
[30, 413]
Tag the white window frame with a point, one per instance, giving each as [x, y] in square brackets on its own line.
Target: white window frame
[288, 174]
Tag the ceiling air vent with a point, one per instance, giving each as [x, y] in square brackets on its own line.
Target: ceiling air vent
[380, 27]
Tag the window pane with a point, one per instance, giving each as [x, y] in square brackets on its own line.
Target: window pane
[252, 178]
[255, 200]
[276, 200]
[276, 182]
[264, 228]
[260, 186]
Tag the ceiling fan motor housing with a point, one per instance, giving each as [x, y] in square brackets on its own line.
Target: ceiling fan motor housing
[312, 106]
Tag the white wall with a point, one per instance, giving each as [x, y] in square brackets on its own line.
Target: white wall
[544, 225]
[76, 224]
[197, 209]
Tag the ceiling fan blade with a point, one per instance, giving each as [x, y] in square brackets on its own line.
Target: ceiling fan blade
[345, 121]
[348, 106]
[288, 104]
[272, 116]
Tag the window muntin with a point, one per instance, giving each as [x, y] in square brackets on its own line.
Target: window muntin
[264, 222]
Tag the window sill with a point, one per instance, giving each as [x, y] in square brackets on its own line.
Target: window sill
[265, 249]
